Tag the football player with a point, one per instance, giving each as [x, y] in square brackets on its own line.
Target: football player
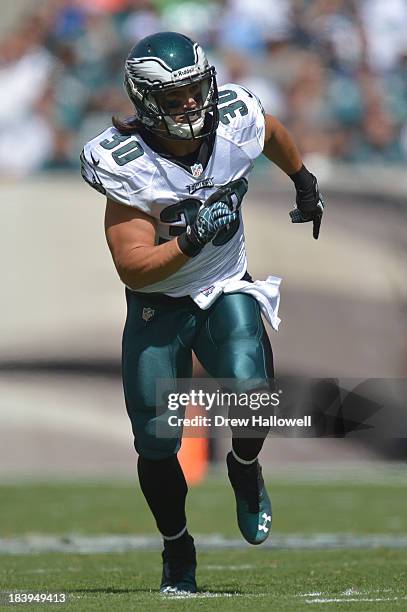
[175, 175]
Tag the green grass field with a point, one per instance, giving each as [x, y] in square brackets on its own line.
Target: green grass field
[263, 578]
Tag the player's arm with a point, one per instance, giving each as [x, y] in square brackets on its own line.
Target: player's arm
[130, 235]
[280, 148]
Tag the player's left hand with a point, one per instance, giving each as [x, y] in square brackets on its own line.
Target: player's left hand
[309, 207]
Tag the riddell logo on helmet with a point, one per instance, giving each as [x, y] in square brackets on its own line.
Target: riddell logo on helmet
[184, 71]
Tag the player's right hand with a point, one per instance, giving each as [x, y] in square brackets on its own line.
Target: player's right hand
[210, 220]
[217, 212]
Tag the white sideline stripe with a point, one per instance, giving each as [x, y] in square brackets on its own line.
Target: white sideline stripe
[237, 568]
[122, 543]
[351, 595]
[205, 595]
[348, 592]
[209, 594]
[353, 599]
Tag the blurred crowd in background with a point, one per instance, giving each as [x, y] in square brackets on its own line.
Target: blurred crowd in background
[334, 71]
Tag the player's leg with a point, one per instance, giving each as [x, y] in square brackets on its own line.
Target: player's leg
[233, 344]
[155, 345]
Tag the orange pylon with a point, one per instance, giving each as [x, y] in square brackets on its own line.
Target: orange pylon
[194, 453]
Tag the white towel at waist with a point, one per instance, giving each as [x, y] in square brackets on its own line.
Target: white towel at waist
[266, 292]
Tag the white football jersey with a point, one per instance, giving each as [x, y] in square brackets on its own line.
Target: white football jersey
[128, 171]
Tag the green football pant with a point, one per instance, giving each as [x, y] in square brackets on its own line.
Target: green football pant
[229, 339]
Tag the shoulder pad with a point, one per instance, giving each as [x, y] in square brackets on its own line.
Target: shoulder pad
[115, 165]
[241, 118]
[242, 102]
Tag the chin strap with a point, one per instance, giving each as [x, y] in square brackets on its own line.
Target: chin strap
[185, 130]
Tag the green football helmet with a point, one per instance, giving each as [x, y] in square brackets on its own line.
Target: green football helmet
[164, 63]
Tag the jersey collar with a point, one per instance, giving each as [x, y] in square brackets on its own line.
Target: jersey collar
[201, 156]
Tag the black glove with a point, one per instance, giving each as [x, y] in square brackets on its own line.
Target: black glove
[218, 211]
[309, 203]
